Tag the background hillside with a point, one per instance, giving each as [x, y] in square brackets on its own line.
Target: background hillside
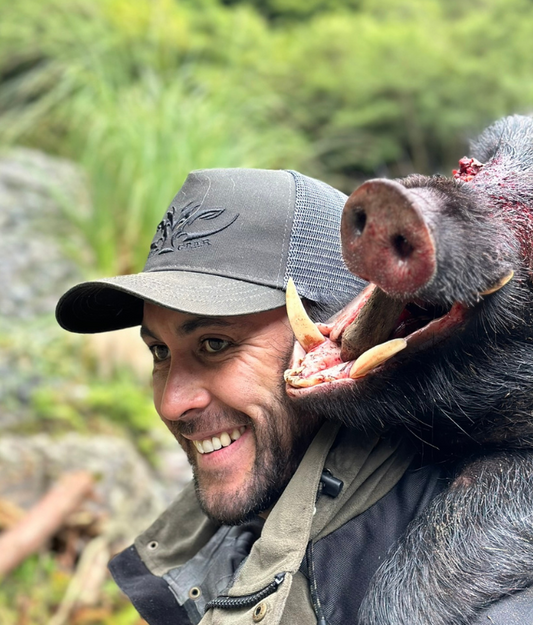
[105, 106]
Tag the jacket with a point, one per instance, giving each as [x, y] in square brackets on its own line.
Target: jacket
[309, 562]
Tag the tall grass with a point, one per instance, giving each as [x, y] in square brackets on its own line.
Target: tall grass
[138, 146]
[138, 110]
[141, 92]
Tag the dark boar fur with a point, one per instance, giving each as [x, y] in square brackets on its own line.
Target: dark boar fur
[470, 547]
[465, 392]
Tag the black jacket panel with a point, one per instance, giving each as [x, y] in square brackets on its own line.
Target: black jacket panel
[150, 594]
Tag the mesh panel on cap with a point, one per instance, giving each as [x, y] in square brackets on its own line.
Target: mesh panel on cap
[315, 259]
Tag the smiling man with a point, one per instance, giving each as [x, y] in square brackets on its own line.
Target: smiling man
[288, 516]
[217, 386]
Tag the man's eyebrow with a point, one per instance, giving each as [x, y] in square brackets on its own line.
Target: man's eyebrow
[190, 326]
[202, 322]
[146, 332]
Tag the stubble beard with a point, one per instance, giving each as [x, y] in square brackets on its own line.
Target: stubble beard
[280, 445]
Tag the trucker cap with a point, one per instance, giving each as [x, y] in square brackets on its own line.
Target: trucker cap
[227, 245]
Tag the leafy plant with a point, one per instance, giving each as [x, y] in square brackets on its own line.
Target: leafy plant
[141, 93]
[53, 383]
[33, 592]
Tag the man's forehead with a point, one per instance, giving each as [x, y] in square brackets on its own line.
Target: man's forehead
[181, 323]
[184, 324]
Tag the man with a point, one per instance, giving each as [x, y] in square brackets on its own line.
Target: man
[288, 517]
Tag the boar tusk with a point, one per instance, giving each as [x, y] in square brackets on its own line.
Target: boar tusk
[376, 356]
[502, 282]
[305, 331]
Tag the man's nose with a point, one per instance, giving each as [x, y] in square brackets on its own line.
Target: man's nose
[182, 392]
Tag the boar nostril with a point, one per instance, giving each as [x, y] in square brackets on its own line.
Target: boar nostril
[358, 221]
[402, 247]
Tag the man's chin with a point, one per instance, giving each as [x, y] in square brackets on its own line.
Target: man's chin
[234, 507]
[225, 509]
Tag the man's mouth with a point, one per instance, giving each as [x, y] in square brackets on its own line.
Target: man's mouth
[222, 439]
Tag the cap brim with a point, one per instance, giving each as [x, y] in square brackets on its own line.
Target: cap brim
[116, 303]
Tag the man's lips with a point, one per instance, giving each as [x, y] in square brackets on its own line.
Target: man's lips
[207, 444]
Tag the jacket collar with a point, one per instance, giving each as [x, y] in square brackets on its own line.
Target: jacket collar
[369, 467]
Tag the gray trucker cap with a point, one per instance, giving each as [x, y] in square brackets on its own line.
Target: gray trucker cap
[227, 245]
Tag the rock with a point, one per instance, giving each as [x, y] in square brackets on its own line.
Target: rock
[129, 492]
[34, 269]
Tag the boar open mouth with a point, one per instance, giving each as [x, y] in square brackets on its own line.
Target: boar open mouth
[374, 332]
[388, 239]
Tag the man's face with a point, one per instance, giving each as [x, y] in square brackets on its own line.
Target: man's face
[218, 387]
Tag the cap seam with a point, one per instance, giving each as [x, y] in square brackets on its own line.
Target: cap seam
[206, 270]
[291, 201]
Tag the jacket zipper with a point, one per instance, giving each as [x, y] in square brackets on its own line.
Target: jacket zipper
[228, 603]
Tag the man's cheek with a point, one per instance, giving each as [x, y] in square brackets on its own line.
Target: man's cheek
[189, 449]
[157, 396]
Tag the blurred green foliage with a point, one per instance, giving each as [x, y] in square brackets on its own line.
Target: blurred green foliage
[140, 93]
[35, 588]
[52, 382]
[34, 591]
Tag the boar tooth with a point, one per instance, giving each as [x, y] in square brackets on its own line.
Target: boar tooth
[298, 382]
[289, 374]
[502, 282]
[376, 356]
[305, 331]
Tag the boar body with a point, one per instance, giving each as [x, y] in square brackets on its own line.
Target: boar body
[452, 259]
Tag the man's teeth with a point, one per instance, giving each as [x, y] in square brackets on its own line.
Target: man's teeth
[217, 442]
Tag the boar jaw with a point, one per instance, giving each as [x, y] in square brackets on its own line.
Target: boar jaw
[373, 332]
[410, 329]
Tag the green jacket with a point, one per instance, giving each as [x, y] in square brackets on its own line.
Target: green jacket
[311, 560]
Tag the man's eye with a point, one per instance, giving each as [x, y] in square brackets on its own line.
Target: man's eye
[213, 346]
[159, 352]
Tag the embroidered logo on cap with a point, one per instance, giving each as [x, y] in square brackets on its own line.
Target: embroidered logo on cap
[173, 233]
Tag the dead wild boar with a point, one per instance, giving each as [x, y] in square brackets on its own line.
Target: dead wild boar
[439, 347]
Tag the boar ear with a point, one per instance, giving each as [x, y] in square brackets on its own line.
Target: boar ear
[386, 237]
